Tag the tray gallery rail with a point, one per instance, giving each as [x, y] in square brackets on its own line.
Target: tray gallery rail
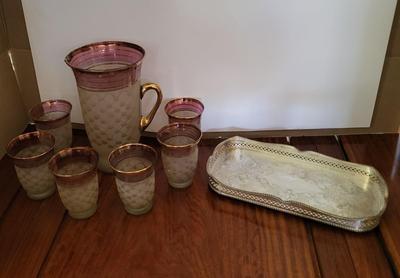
[304, 183]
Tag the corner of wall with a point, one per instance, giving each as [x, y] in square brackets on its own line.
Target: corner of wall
[386, 117]
[20, 52]
[13, 115]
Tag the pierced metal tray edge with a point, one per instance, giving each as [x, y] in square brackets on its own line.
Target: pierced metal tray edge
[292, 207]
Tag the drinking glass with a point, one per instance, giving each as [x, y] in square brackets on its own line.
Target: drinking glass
[133, 167]
[30, 153]
[75, 170]
[179, 152]
[184, 110]
[54, 117]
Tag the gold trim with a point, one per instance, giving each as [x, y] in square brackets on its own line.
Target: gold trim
[126, 147]
[189, 99]
[71, 152]
[37, 111]
[26, 138]
[179, 125]
[146, 120]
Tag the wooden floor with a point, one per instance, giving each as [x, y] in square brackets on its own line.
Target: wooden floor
[197, 233]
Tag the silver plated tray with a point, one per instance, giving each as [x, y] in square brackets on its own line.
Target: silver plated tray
[308, 184]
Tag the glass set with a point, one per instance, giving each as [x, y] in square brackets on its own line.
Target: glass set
[133, 164]
[44, 160]
[108, 80]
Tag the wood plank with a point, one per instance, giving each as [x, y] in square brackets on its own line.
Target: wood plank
[27, 231]
[348, 254]
[331, 247]
[379, 151]
[189, 233]
[287, 248]
[10, 185]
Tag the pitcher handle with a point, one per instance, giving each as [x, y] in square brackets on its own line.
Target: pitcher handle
[146, 120]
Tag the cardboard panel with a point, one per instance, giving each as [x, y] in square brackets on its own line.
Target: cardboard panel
[394, 45]
[3, 33]
[15, 22]
[25, 74]
[13, 118]
[387, 108]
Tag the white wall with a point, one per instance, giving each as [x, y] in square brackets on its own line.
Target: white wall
[260, 64]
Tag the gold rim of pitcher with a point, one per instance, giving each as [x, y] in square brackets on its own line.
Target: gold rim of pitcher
[87, 47]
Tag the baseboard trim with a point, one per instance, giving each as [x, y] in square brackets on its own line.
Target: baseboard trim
[272, 133]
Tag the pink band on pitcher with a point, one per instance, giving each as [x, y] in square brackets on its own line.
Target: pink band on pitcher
[106, 66]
